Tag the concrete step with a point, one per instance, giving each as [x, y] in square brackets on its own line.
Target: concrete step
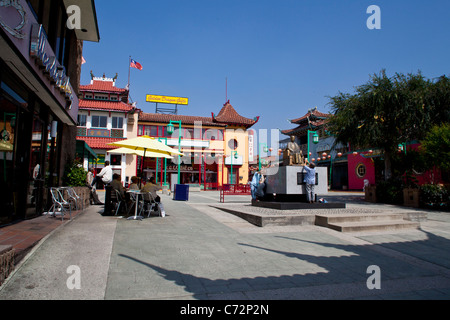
[365, 222]
[337, 218]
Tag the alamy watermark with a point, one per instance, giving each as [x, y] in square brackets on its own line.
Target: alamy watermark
[74, 280]
[374, 21]
[374, 281]
[74, 20]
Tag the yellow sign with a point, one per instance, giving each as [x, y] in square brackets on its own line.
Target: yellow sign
[165, 99]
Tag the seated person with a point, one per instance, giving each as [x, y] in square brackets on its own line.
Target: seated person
[151, 187]
[134, 183]
[116, 184]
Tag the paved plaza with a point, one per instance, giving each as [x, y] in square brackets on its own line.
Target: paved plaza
[200, 252]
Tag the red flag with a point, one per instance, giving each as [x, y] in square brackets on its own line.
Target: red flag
[135, 64]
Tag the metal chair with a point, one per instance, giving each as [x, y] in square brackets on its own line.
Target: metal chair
[73, 196]
[117, 198]
[59, 203]
[151, 205]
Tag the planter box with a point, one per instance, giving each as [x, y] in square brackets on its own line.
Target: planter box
[84, 193]
[371, 194]
[411, 198]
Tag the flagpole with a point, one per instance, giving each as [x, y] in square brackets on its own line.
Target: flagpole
[129, 71]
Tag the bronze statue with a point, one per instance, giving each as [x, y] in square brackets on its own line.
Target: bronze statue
[293, 155]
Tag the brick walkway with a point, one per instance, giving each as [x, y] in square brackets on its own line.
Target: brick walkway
[22, 236]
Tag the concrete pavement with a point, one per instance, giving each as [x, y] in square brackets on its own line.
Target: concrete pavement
[202, 253]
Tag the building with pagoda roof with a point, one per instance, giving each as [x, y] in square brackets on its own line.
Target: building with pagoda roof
[105, 116]
[215, 148]
[325, 152]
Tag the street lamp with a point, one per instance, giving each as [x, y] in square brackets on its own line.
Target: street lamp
[265, 149]
[235, 155]
[170, 130]
[315, 139]
[165, 164]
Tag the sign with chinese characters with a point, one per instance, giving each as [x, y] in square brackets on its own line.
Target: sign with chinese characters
[167, 99]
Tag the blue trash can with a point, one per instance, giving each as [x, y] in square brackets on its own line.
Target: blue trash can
[181, 192]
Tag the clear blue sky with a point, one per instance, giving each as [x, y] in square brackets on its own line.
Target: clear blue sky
[280, 57]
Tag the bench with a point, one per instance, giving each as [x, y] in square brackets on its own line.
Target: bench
[234, 189]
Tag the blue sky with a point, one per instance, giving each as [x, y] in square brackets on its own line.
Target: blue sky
[281, 58]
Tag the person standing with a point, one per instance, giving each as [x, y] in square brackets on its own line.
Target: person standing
[310, 179]
[255, 183]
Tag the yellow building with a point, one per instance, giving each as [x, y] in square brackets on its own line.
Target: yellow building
[216, 149]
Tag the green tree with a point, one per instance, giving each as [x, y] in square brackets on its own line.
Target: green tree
[436, 146]
[388, 111]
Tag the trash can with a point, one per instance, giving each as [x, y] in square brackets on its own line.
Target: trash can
[181, 192]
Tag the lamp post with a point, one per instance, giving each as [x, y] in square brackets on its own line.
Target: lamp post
[235, 155]
[315, 139]
[165, 163]
[170, 130]
[265, 149]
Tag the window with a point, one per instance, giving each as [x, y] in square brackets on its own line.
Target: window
[361, 170]
[88, 95]
[153, 131]
[117, 123]
[140, 130]
[101, 97]
[116, 160]
[99, 121]
[233, 144]
[212, 134]
[82, 120]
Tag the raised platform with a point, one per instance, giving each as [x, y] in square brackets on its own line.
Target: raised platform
[297, 205]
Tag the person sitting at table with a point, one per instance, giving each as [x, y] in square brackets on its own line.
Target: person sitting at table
[116, 184]
[151, 187]
[134, 183]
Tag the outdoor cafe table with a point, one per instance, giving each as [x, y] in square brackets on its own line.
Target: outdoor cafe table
[136, 193]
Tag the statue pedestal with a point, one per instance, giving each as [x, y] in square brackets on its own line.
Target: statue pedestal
[288, 180]
[286, 189]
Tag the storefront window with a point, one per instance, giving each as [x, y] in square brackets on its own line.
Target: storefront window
[10, 102]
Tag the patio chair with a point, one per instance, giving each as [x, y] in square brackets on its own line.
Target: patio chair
[73, 196]
[151, 205]
[59, 204]
[116, 197]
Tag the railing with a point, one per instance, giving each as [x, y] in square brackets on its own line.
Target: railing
[234, 189]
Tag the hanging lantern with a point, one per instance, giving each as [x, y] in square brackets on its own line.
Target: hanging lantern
[324, 154]
[315, 138]
[339, 154]
[313, 159]
[324, 158]
[355, 153]
[329, 156]
[170, 128]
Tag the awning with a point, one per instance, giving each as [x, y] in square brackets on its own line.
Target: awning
[83, 150]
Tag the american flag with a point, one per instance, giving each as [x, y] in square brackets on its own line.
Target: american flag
[135, 64]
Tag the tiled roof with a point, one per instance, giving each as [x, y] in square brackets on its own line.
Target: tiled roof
[313, 114]
[99, 143]
[304, 127]
[228, 115]
[165, 118]
[102, 86]
[104, 105]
